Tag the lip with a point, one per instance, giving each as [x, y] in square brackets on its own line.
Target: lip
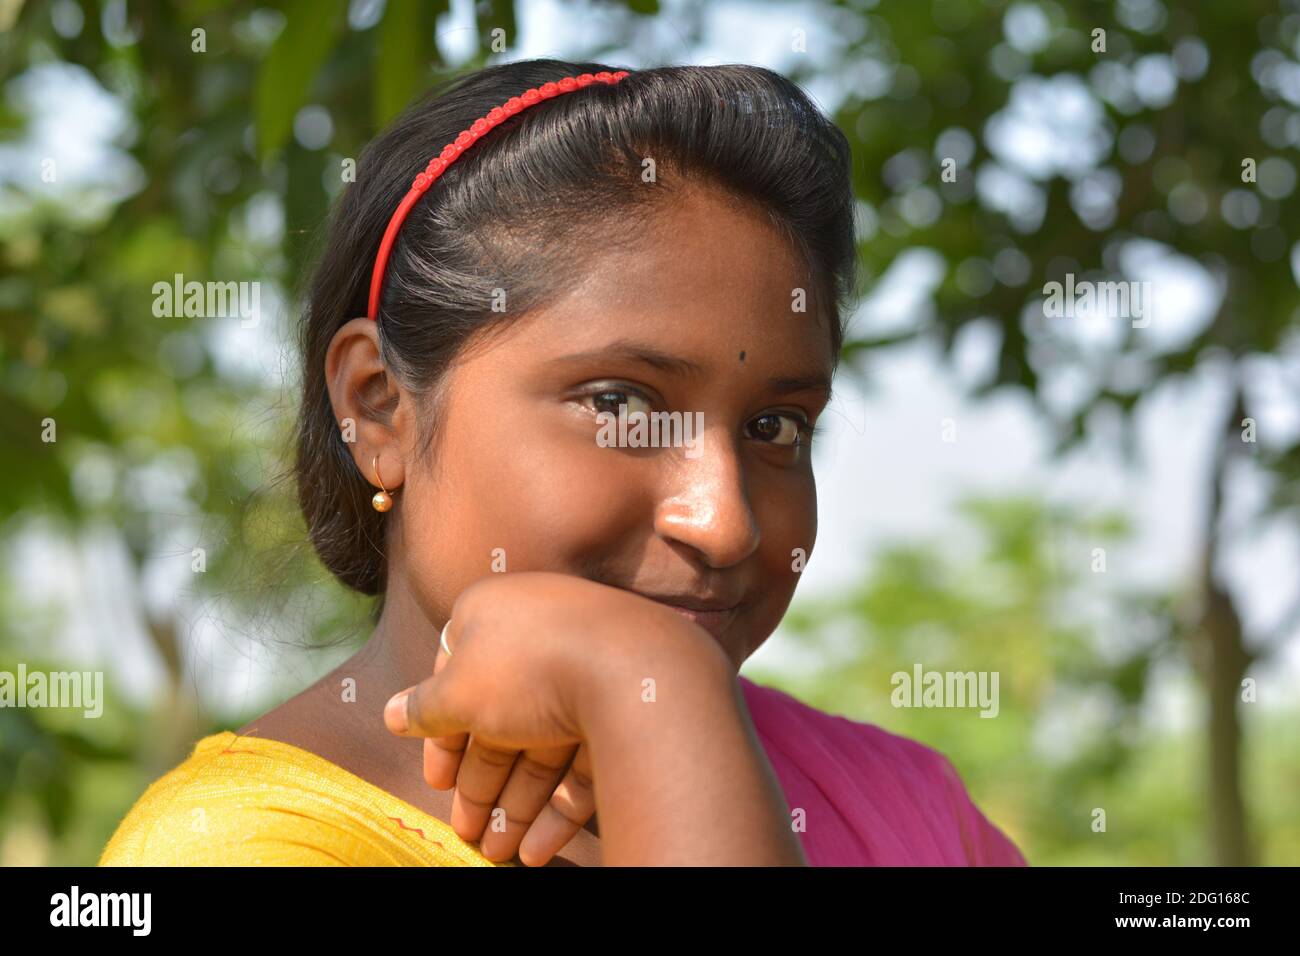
[712, 615]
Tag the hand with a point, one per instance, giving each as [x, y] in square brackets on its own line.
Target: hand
[535, 801]
[503, 717]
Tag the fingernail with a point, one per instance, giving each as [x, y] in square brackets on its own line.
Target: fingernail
[395, 712]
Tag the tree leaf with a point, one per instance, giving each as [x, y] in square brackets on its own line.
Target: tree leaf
[404, 48]
[285, 78]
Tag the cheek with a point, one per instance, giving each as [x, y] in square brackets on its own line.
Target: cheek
[532, 490]
[787, 515]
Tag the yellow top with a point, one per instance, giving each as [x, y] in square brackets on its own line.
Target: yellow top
[249, 801]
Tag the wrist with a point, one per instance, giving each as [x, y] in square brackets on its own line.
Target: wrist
[638, 666]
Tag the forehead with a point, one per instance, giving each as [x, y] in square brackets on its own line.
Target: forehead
[707, 277]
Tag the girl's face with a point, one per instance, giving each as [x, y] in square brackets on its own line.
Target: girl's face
[700, 319]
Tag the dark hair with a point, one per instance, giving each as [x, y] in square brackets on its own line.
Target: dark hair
[562, 173]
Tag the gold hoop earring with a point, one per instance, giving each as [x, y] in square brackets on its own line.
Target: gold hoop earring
[382, 500]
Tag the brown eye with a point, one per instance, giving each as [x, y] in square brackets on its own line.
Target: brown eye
[609, 400]
[777, 429]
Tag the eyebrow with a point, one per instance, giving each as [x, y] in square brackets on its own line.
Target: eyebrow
[637, 352]
[805, 383]
[685, 368]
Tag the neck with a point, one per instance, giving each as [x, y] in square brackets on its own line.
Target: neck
[402, 648]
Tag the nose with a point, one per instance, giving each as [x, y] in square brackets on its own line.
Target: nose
[706, 506]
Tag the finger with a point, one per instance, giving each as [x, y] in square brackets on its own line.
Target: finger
[442, 755]
[442, 761]
[440, 658]
[423, 711]
[413, 712]
[572, 804]
[483, 773]
[532, 781]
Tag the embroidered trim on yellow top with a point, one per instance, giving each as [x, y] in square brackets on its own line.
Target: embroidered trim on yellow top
[249, 801]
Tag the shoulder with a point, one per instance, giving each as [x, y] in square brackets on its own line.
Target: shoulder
[770, 706]
[902, 780]
[242, 801]
[194, 813]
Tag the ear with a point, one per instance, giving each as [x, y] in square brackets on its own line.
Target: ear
[366, 398]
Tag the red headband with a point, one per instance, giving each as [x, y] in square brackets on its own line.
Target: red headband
[462, 142]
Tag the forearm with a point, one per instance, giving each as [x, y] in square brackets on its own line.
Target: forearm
[682, 779]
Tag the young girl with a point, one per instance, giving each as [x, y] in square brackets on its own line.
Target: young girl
[531, 265]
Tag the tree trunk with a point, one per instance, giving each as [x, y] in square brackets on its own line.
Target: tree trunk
[1220, 655]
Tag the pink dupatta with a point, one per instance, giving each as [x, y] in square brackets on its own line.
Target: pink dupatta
[871, 798]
